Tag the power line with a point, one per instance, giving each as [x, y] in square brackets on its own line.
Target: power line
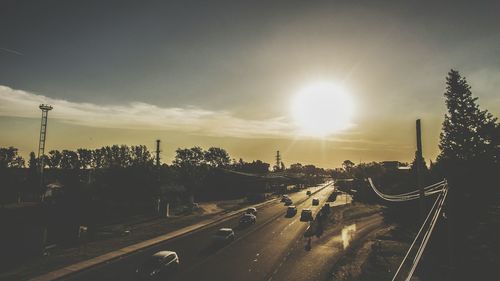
[440, 188]
[428, 234]
[412, 195]
[414, 241]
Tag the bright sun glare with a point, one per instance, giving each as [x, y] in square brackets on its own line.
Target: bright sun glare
[322, 109]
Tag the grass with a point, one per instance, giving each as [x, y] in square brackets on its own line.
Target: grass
[360, 210]
[386, 254]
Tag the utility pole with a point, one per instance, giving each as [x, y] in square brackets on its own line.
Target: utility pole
[158, 154]
[418, 164]
[158, 179]
[41, 144]
[278, 160]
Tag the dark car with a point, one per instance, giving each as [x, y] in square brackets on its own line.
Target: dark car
[315, 202]
[308, 193]
[306, 215]
[284, 198]
[247, 219]
[288, 202]
[291, 211]
[158, 265]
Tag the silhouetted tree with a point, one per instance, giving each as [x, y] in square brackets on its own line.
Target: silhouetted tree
[140, 156]
[69, 160]
[10, 182]
[190, 162]
[468, 132]
[363, 171]
[217, 157]
[254, 167]
[296, 168]
[98, 159]
[423, 168]
[9, 158]
[84, 157]
[469, 161]
[55, 157]
[33, 162]
[347, 165]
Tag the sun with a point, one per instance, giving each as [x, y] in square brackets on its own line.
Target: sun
[321, 109]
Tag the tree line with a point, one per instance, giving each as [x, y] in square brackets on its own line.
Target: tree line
[110, 167]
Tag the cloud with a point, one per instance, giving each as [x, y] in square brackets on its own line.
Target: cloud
[138, 115]
[11, 51]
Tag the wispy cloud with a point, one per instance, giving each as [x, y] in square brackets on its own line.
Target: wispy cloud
[11, 51]
[138, 115]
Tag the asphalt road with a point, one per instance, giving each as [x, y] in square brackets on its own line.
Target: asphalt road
[255, 253]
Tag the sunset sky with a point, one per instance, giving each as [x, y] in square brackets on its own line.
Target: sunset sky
[229, 74]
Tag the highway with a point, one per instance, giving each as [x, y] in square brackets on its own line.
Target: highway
[255, 254]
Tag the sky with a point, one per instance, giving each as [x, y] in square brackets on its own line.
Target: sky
[225, 73]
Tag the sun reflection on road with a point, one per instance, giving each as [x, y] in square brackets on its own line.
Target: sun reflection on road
[348, 234]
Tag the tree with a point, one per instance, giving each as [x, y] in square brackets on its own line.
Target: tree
[367, 170]
[469, 161]
[310, 170]
[140, 156]
[69, 160]
[190, 162]
[348, 165]
[296, 168]
[254, 167]
[54, 159]
[217, 157]
[422, 171]
[33, 162]
[98, 159]
[9, 158]
[468, 132]
[85, 157]
[9, 181]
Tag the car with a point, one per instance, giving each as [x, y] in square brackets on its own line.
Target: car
[306, 215]
[159, 264]
[291, 211]
[308, 193]
[224, 235]
[288, 202]
[315, 202]
[252, 210]
[284, 198]
[247, 219]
